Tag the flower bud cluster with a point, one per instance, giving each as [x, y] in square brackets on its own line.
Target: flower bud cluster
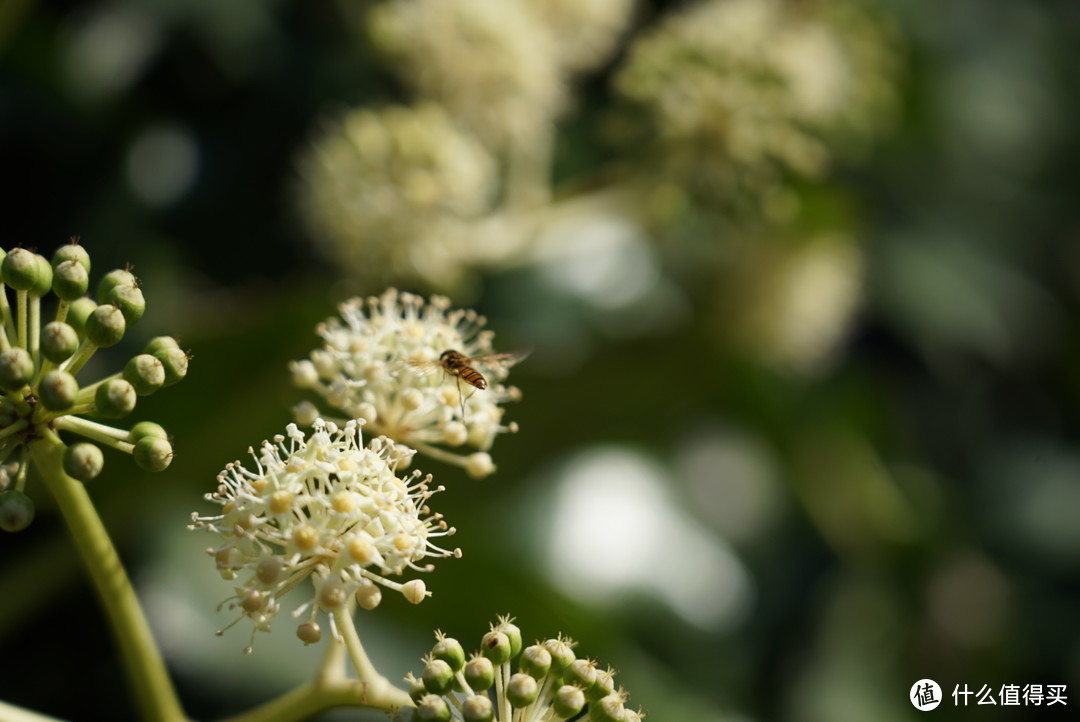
[381, 362]
[324, 508]
[548, 682]
[39, 363]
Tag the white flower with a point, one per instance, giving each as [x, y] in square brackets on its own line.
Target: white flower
[380, 362]
[323, 507]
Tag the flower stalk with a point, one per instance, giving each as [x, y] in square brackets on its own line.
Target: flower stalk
[154, 691]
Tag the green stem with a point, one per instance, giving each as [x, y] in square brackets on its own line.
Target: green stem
[378, 692]
[308, 699]
[154, 692]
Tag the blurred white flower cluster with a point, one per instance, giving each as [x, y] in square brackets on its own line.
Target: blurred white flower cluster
[743, 90]
[385, 190]
[325, 508]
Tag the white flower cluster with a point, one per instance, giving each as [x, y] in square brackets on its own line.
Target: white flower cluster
[386, 191]
[756, 83]
[380, 362]
[499, 66]
[325, 508]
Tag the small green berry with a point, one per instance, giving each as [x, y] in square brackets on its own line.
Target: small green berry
[480, 673]
[16, 368]
[477, 708]
[58, 390]
[147, 428]
[522, 690]
[16, 510]
[115, 398]
[78, 312]
[146, 373]
[438, 677]
[70, 281]
[153, 454]
[20, 269]
[168, 351]
[111, 281]
[83, 461]
[450, 651]
[72, 252]
[105, 326]
[59, 341]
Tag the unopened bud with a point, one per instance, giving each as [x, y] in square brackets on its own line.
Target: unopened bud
[57, 390]
[152, 453]
[59, 341]
[83, 461]
[70, 280]
[16, 510]
[146, 373]
[115, 398]
[16, 367]
[105, 326]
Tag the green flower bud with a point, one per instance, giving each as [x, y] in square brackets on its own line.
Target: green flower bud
[608, 709]
[72, 252]
[105, 326]
[20, 270]
[146, 373]
[582, 673]
[111, 280]
[57, 390]
[562, 655]
[568, 701]
[522, 690]
[42, 278]
[70, 280]
[496, 647]
[512, 633]
[416, 688]
[147, 428]
[438, 677]
[115, 398]
[477, 708]
[129, 299]
[450, 651]
[169, 353]
[58, 341]
[83, 461]
[431, 708]
[535, 661]
[80, 310]
[16, 510]
[480, 673]
[309, 633]
[16, 367]
[404, 714]
[152, 453]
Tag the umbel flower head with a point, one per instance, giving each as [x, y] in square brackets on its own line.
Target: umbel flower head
[745, 91]
[40, 359]
[326, 508]
[547, 682]
[380, 361]
[388, 192]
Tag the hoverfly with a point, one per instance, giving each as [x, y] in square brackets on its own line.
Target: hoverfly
[462, 368]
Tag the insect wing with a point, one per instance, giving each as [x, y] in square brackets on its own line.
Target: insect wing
[498, 360]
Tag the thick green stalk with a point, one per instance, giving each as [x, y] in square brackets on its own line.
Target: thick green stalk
[154, 691]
